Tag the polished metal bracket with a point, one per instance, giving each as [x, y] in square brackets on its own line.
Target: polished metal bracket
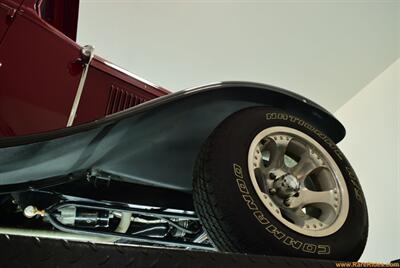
[87, 54]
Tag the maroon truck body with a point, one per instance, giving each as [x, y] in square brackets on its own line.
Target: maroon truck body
[40, 73]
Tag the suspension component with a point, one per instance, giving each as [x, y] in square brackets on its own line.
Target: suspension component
[157, 226]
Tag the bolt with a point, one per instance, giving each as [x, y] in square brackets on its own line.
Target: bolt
[272, 176]
[31, 211]
[287, 202]
[272, 191]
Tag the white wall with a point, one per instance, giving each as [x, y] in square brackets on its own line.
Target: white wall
[372, 145]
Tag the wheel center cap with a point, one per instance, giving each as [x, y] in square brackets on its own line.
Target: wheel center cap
[291, 182]
[287, 185]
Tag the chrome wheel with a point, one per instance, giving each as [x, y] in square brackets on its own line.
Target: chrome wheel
[298, 181]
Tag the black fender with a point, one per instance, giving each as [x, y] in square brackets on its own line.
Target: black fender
[155, 143]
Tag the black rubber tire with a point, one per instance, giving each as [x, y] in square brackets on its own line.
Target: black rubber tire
[235, 226]
[16, 251]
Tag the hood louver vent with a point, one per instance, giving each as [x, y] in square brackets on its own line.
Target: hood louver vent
[120, 99]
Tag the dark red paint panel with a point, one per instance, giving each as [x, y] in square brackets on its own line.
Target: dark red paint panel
[105, 94]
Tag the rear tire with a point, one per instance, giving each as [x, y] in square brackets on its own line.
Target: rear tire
[237, 218]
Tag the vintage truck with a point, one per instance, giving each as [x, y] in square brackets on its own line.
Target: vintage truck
[91, 152]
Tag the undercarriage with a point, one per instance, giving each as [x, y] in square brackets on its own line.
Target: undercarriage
[84, 209]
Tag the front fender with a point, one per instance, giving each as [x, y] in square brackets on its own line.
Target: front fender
[155, 143]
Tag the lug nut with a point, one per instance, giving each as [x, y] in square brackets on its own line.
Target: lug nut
[272, 191]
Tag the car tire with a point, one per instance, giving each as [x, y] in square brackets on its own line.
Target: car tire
[238, 218]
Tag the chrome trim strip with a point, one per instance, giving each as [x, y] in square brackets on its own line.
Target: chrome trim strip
[87, 53]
